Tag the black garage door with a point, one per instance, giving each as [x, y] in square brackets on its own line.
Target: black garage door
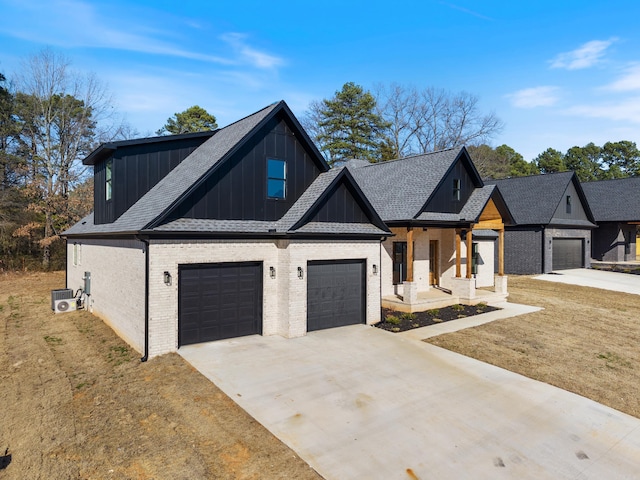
[335, 294]
[568, 253]
[220, 300]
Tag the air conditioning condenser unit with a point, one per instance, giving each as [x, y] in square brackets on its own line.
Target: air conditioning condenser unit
[63, 305]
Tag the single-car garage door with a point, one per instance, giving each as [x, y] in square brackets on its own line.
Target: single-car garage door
[219, 300]
[568, 253]
[336, 293]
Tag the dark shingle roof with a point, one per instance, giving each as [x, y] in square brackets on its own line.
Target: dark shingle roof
[142, 215]
[533, 200]
[398, 189]
[614, 200]
[106, 149]
[173, 186]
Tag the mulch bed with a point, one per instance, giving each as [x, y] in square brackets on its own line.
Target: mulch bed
[619, 269]
[394, 321]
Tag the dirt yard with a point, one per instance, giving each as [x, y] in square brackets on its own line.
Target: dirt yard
[586, 341]
[77, 403]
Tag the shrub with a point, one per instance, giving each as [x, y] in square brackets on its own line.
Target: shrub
[392, 319]
[434, 312]
[457, 307]
[408, 316]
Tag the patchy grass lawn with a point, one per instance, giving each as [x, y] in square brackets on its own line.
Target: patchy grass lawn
[585, 340]
[77, 403]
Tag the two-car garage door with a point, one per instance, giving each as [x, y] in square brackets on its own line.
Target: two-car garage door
[224, 300]
[568, 253]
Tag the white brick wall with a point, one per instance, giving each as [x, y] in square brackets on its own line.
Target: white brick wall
[117, 283]
[284, 298]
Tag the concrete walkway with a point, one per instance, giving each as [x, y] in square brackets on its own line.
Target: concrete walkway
[358, 402]
[507, 310]
[618, 282]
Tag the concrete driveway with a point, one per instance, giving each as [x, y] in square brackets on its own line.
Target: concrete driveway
[358, 402]
[618, 282]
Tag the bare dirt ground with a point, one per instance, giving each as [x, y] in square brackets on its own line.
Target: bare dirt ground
[77, 403]
[586, 341]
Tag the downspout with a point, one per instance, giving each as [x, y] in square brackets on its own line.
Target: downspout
[380, 273]
[66, 263]
[146, 298]
[544, 246]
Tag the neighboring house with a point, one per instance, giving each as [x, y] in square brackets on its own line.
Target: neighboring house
[616, 209]
[239, 231]
[441, 214]
[553, 223]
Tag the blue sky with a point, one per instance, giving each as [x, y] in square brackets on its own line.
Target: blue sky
[558, 73]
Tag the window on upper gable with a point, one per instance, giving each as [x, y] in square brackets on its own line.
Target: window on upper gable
[456, 189]
[276, 178]
[568, 203]
[108, 182]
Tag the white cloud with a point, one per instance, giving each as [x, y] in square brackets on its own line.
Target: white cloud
[627, 110]
[78, 23]
[249, 54]
[628, 82]
[467, 11]
[585, 56]
[543, 96]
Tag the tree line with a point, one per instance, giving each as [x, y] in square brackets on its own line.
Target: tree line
[396, 121]
[52, 116]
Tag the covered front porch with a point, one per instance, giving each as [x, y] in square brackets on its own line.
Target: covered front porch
[438, 266]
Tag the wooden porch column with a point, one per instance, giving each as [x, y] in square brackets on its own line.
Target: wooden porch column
[469, 251]
[501, 252]
[458, 241]
[409, 254]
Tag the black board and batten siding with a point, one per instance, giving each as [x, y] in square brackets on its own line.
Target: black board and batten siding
[442, 199]
[136, 170]
[341, 206]
[237, 190]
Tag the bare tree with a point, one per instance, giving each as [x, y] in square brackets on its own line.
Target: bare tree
[58, 111]
[433, 119]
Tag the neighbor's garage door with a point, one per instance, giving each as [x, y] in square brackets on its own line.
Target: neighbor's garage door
[220, 300]
[336, 294]
[568, 253]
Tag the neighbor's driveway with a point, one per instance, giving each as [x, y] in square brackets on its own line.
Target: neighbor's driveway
[359, 402]
[616, 281]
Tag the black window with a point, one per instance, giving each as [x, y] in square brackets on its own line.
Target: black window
[108, 179]
[568, 203]
[399, 262]
[276, 178]
[475, 256]
[456, 189]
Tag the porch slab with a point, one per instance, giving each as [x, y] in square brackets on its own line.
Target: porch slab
[435, 298]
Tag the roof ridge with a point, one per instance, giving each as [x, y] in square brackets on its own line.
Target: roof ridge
[410, 157]
[535, 175]
[274, 104]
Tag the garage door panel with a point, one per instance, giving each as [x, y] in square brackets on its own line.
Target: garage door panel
[567, 253]
[335, 294]
[218, 301]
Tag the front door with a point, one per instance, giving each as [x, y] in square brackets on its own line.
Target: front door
[434, 274]
[399, 262]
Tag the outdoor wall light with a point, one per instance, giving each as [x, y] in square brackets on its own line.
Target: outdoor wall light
[167, 278]
[272, 272]
[300, 273]
[375, 269]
